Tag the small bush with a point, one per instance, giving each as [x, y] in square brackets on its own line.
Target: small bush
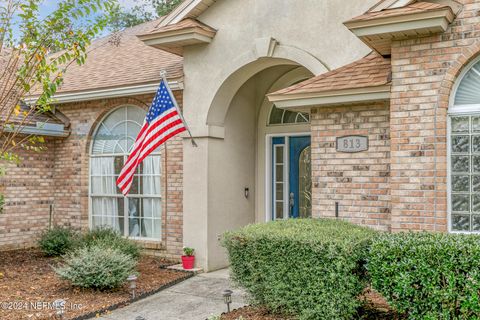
[110, 238]
[57, 241]
[428, 276]
[97, 267]
[309, 268]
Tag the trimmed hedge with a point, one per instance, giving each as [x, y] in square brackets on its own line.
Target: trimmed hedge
[428, 276]
[309, 268]
[58, 241]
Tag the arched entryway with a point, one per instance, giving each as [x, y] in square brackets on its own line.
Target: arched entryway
[235, 166]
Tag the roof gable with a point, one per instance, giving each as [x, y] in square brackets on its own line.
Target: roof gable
[385, 23]
[187, 9]
[367, 79]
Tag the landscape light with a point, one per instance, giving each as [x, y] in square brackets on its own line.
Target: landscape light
[227, 298]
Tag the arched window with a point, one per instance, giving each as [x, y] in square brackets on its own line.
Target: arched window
[280, 116]
[139, 214]
[464, 153]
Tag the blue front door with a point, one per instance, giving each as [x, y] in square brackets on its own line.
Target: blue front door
[291, 177]
[299, 162]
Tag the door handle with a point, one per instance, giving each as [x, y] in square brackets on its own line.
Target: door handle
[292, 200]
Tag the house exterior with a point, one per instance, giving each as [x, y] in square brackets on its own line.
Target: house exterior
[367, 112]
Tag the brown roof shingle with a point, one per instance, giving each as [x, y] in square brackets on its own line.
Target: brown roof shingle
[131, 62]
[417, 7]
[371, 71]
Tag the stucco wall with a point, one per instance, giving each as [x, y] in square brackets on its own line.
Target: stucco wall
[219, 106]
[312, 26]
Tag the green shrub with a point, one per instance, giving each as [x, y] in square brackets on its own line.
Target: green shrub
[57, 241]
[97, 267]
[428, 276]
[309, 268]
[110, 238]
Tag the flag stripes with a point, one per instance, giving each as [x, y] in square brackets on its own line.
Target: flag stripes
[163, 122]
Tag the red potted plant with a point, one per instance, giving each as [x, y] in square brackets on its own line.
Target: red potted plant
[188, 258]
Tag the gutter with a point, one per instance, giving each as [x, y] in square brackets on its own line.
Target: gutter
[41, 129]
[107, 93]
[303, 100]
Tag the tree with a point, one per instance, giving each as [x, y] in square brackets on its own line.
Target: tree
[142, 13]
[35, 53]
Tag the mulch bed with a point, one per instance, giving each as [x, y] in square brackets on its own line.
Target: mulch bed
[375, 308]
[252, 313]
[27, 280]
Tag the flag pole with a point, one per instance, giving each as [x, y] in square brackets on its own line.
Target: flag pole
[163, 75]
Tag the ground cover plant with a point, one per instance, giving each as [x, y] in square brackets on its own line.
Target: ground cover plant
[427, 275]
[99, 267]
[309, 268]
[100, 259]
[104, 236]
[28, 276]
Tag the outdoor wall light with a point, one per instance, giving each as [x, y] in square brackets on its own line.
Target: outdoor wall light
[227, 298]
[247, 191]
[59, 306]
[132, 279]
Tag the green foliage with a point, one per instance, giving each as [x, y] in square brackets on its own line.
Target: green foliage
[35, 58]
[107, 237]
[428, 276]
[125, 19]
[188, 251]
[97, 267]
[142, 13]
[164, 7]
[309, 268]
[57, 241]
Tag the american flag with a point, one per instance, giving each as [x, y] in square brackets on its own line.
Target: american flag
[162, 122]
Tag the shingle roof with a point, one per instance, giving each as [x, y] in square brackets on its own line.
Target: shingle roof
[417, 7]
[184, 24]
[131, 62]
[371, 71]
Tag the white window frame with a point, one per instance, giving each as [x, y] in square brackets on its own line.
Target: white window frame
[283, 123]
[456, 111]
[126, 216]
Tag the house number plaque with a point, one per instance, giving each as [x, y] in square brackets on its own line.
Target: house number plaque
[352, 144]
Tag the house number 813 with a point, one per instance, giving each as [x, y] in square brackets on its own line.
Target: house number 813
[351, 144]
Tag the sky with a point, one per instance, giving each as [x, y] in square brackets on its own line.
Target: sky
[48, 6]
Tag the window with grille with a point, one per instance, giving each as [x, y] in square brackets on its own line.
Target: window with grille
[139, 214]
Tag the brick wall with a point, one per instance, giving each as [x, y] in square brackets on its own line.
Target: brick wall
[28, 189]
[424, 71]
[359, 182]
[66, 169]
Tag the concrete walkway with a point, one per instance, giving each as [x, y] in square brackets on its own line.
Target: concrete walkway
[194, 299]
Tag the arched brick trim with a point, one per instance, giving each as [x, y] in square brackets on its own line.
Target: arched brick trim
[464, 58]
[445, 92]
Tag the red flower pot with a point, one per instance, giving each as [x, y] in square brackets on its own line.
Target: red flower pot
[188, 262]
